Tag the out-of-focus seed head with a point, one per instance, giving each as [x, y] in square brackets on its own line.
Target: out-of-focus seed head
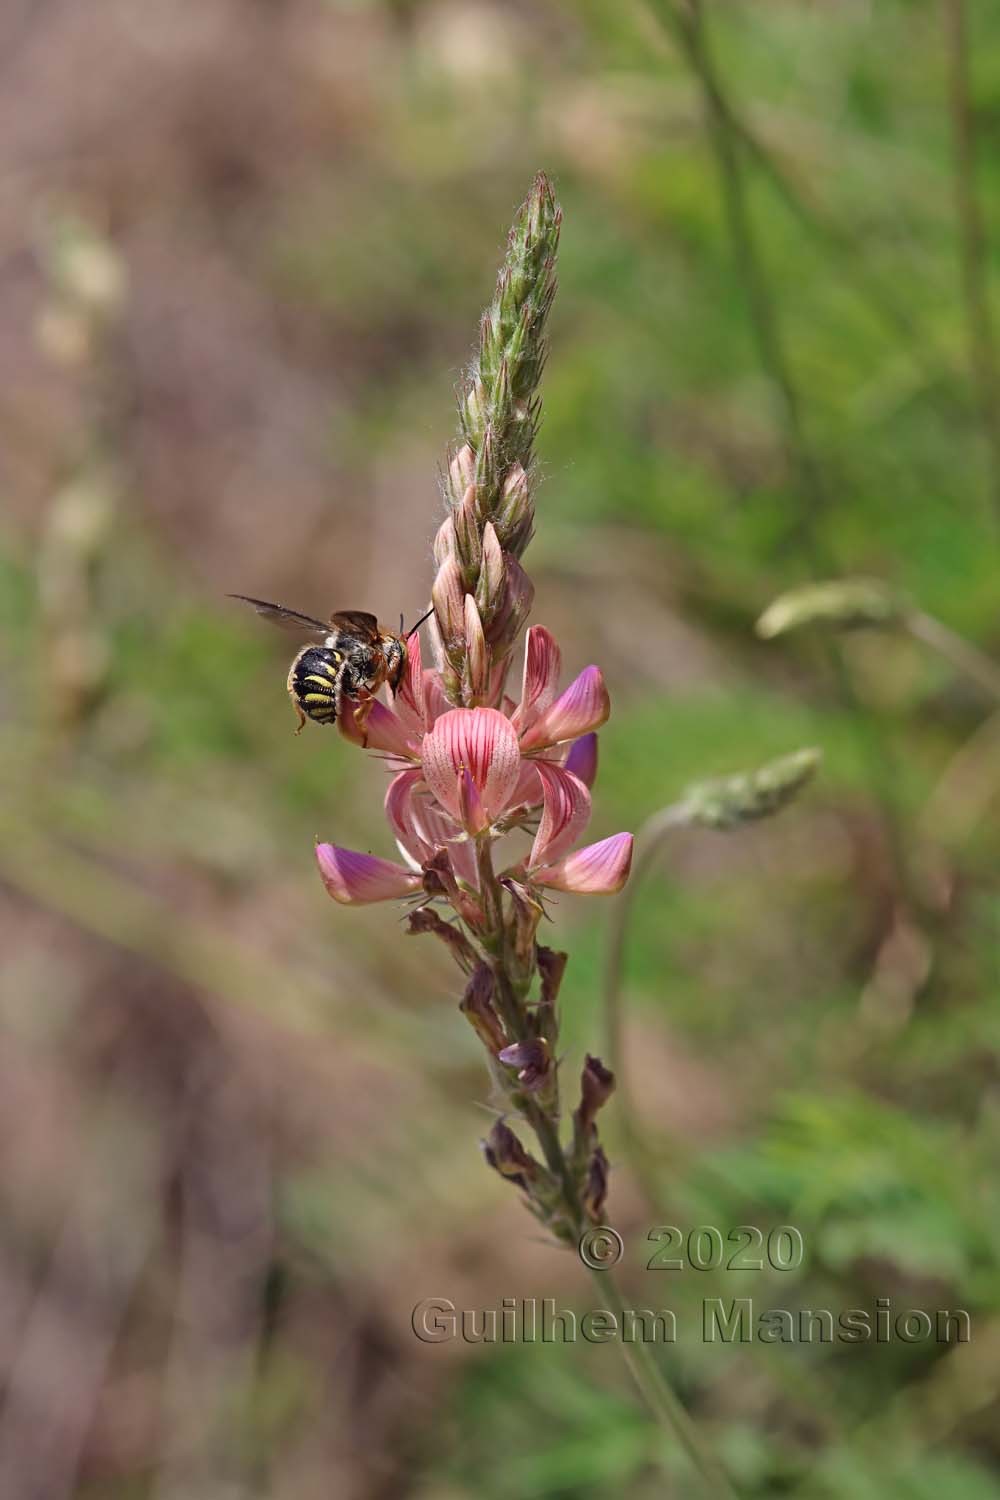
[733, 800]
[845, 603]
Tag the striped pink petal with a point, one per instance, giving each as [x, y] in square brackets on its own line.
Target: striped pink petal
[565, 814]
[584, 706]
[356, 879]
[598, 869]
[481, 741]
[542, 665]
[582, 759]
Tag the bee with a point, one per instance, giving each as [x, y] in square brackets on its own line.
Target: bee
[349, 657]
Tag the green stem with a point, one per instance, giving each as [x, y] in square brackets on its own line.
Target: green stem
[966, 658]
[661, 1399]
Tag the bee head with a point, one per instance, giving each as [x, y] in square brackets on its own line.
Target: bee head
[394, 651]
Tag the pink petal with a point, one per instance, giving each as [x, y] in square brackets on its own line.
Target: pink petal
[409, 701]
[481, 741]
[435, 701]
[528, 792]
[421, 827]
[542, 664]
[384, 730]
[355, 879]
[598, 869]
[401, 813]
[565, 814]
[582, 707]
[582, 759]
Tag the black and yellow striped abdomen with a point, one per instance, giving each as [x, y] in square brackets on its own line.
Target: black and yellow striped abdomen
[314, 683]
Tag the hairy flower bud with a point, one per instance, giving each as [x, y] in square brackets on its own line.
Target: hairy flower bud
[469, 545]
[445, 542]
[515, 515]
[461, 473]
[476, 674]
[492, 575]
[448, 598]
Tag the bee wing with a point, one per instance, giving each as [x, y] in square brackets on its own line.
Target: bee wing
[287, 619]
[356, 622]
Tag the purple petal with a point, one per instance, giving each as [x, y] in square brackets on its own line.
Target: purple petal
[356, 879]
[582, 759]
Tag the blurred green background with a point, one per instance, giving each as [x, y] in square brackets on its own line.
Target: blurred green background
[245, 245]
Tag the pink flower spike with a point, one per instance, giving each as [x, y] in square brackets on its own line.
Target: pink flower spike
[481, 741]
[582, 759]
[542, 664]
[355, 879]
[565, 814]
[598, 870]
[584, 706]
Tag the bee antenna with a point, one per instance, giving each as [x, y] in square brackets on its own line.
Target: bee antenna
[413, 629]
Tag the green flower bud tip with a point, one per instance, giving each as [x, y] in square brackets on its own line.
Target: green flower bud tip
[732, 800]
[845, 603]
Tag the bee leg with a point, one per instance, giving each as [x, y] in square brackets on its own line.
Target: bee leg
[302, 717]
[361, 714]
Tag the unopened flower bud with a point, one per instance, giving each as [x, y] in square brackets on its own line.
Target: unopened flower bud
[477, 658]
[448, 598]
[732, 800]
[461, 473]
[469, 547]
[515, 517]
[518, 595]
[445, 542]
[492, 574]
[845, 603]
